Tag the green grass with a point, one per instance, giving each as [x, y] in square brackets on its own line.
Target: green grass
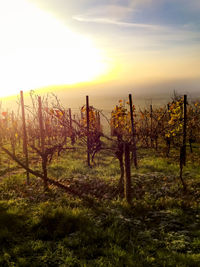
[160, 227]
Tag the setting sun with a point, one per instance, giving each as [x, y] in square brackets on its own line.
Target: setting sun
[36, 50]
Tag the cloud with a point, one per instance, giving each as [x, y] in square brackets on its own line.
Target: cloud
[144, 18]
[119, 15]
[114, 12]
[115, 22]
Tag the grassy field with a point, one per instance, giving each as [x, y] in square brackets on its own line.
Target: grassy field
[160, 228]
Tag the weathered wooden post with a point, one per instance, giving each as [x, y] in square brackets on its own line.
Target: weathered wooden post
[96, 120]
[127, 183]
[13, 137]
[88, 130]
[184, 128]
[183, 147]
[168, 141]
[71, 128]
[151, 118]
[70, 119]
[25, 144]
[133, 132]
[42, 138]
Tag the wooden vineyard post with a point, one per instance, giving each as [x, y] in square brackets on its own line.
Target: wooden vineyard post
[168, 141]
[42, 137]
[127, 182]
[133, 132]
[70, 126]
[65, 127]
[98, 121]
[13, 135]
[70, 119]
[88, 130]
[151, 117]
[185, 128]
[183, 147]
[25, 144]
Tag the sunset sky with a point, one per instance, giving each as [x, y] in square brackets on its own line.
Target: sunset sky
[127, 43]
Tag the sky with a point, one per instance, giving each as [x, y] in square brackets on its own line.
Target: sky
[108, 45]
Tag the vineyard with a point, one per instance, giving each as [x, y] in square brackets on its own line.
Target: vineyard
[83, 197]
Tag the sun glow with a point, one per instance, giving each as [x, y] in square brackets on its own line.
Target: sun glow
[36, 51]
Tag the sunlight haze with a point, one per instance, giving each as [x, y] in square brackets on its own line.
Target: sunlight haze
[36, 50]
[125, 43]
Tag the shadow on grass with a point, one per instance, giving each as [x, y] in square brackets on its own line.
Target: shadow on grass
[11, 224]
